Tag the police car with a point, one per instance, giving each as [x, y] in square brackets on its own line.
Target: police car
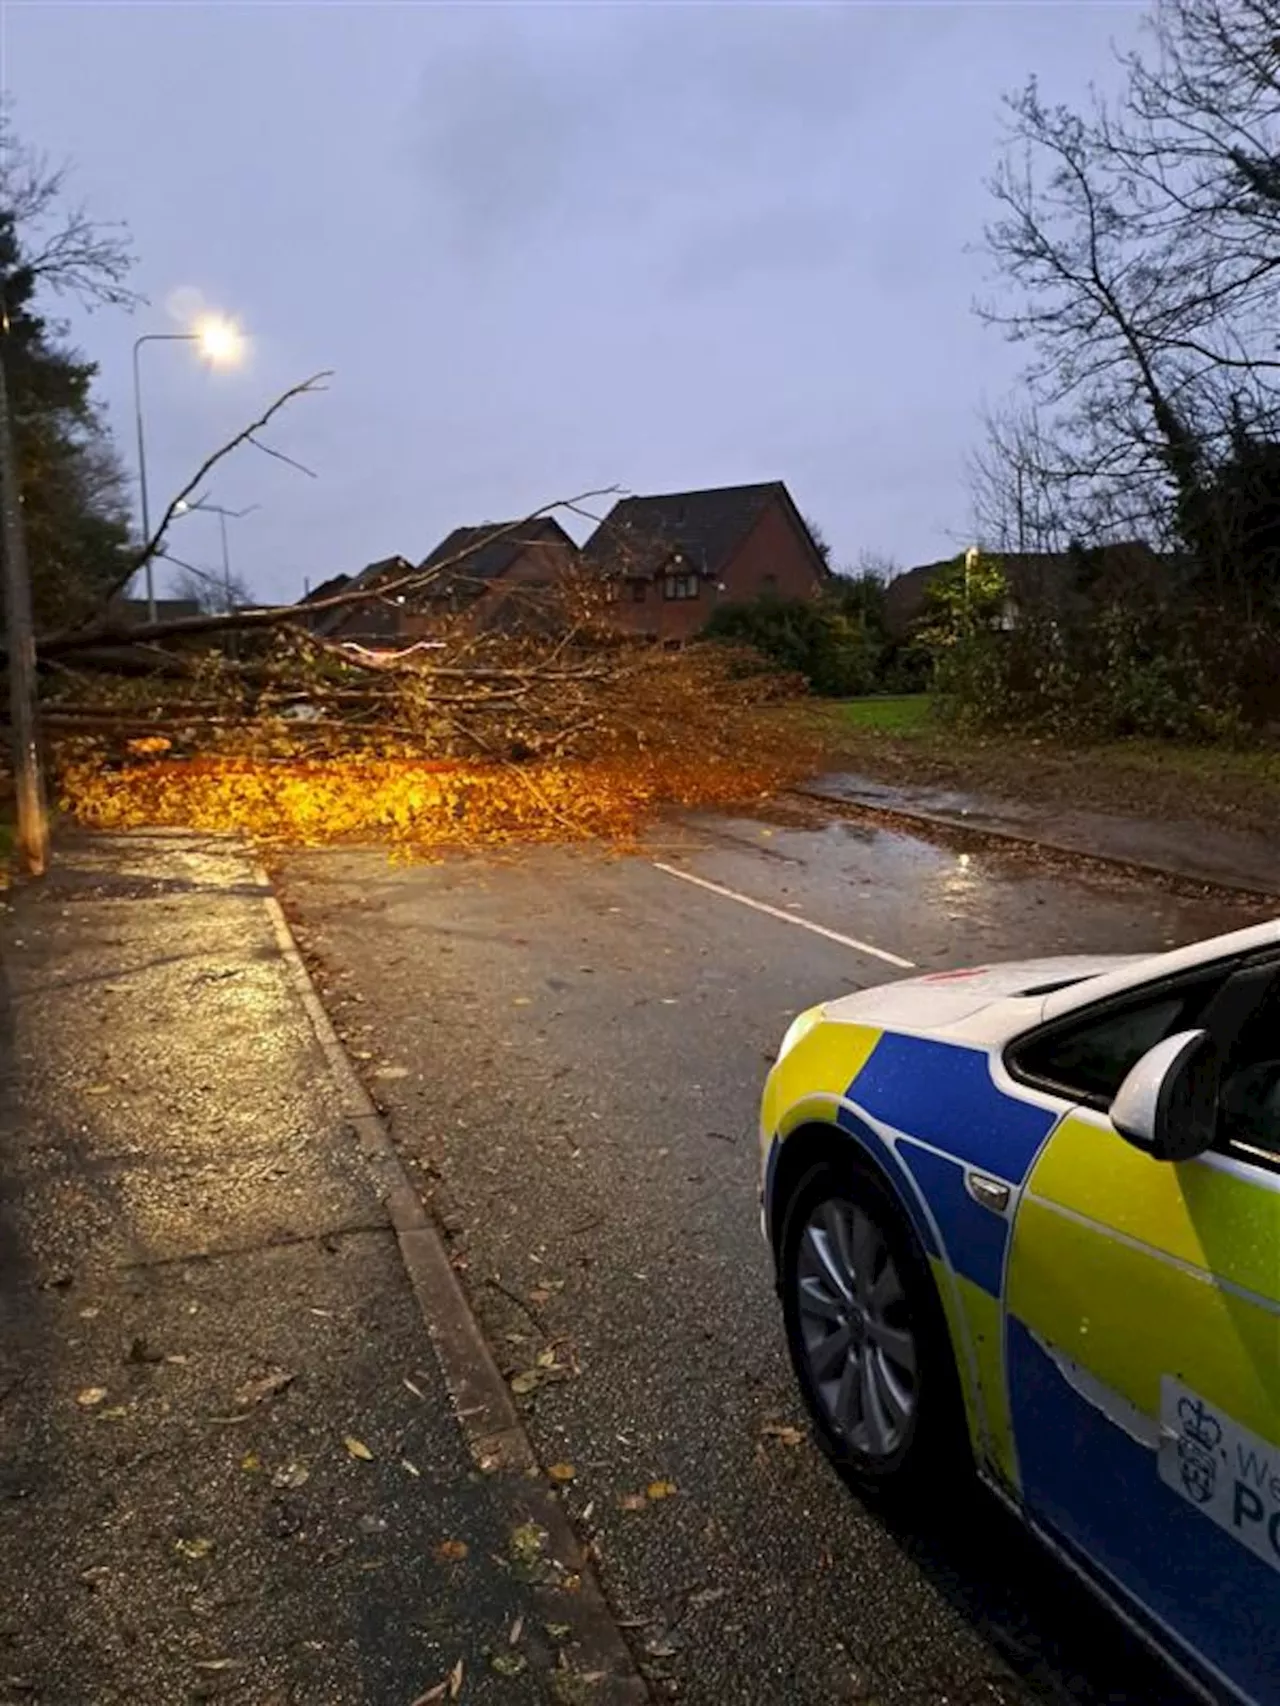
[1029, 1216]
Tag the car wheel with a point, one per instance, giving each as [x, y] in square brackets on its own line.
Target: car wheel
[866, 1332]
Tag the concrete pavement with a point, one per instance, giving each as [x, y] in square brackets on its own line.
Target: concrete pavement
[229, 1468]
[570, 1046]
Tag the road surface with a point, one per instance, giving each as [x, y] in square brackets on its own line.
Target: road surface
[570, 1046]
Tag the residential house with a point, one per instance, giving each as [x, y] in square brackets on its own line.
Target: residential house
[669, 561]
[497, 573]
[480, 571]
[372, 621]
[314, 619]
[1058, 583]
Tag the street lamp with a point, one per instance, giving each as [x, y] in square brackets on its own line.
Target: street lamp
[220, 342]
[222, 515]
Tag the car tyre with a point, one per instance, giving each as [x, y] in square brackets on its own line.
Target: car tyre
[867, 1334]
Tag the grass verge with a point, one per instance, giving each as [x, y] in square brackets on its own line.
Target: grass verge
[898, 741]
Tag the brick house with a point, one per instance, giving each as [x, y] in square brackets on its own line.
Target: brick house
[669, 561]
[375, 621]
[532, 555]
[498, 579]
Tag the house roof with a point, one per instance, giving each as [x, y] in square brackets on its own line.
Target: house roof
[490, 561]
[326, 589]
[386, 568]
[706, 526]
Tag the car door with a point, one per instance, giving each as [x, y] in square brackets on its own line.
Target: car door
[1142, 1335]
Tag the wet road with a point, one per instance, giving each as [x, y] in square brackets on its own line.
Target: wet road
[571, 1047]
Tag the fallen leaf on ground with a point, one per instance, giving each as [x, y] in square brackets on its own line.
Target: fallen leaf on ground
[783, 1433]
[527, 1542]
[455, 1681]
[410, 1468]
[251, 1463]
[416, 1390]
[213, 1664]
[539, 1295]
[392, 1072]
[91, 1395]
[113, 1413]
[546, 1359]
[258, 1391]
[452, 1551]
[633, 1501]
[661, 1489]
[558, 1631]
[508, 1664]
[197, 1548]
[97, 1089]
[517, 1629]
[432, 1694]
[561, 1472]
[357, 1448]
[291, 1475]
[526, 1382]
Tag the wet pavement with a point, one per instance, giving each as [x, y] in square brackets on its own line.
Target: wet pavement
[1226, 857]
[228, 1466]
[570, 1046]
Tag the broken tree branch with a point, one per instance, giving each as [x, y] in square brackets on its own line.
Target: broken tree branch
[151, 547]
[281, 616]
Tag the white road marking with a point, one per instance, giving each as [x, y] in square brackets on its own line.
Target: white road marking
[787, 917]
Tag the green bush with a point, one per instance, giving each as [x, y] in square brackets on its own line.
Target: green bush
[1114, 665]
[838, 657]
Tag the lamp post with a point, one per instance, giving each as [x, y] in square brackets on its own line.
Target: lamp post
[222, 514]
[219, 341]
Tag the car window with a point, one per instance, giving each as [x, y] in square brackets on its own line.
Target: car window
[1250, 1100]
[1091, 1058]
[1094, 1059]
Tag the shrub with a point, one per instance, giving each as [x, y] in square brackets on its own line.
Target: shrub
[836, 655]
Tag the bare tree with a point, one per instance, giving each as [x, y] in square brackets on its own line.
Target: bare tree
[215, 594]
[1019, 497]
[63, 248]
[1140, 242]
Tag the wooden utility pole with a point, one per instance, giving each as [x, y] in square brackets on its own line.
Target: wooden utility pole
[28, 777]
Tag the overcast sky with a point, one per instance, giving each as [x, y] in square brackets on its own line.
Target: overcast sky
[547, 248]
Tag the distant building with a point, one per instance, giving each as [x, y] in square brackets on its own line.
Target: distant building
[670, 560]
[472, 570]
[133, 612]
[1058, 583]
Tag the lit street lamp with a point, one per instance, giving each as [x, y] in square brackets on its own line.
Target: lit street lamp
[220, 343]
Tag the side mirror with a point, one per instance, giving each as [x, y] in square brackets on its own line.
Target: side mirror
[1168, 1105]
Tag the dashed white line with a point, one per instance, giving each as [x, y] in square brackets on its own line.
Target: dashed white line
[787, 917]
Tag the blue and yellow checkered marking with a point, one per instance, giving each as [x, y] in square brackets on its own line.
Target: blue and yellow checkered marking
[945, 1113]
[945, 1095]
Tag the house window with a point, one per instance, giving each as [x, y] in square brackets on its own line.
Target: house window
[637, 592]
[612, 591]
[680, 586]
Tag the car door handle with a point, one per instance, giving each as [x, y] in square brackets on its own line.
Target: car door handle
[988, 1192]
